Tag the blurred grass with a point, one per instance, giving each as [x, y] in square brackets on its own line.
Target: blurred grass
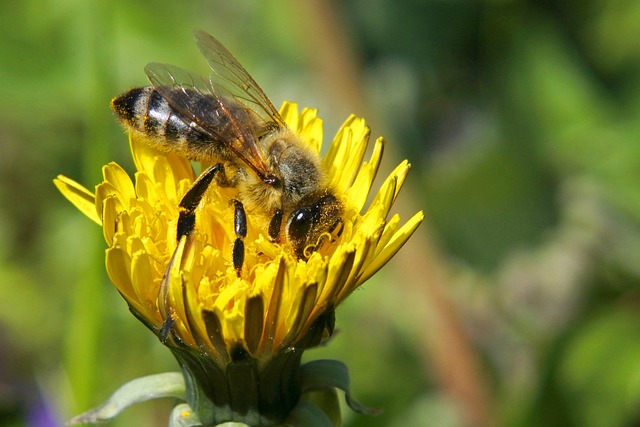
[518, 303]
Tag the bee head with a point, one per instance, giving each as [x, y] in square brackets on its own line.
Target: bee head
[307, 224]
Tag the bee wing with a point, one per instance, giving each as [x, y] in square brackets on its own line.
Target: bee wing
[230, 79]
[196, 101]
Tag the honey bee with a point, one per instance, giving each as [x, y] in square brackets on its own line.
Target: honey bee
[226, 120]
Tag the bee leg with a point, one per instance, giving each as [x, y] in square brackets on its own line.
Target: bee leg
[275, 224]
[191, 200]
[240, 228]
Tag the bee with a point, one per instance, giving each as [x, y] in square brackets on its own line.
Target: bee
[227, 120]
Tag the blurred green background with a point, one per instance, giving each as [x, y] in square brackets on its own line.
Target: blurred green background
[516, 304]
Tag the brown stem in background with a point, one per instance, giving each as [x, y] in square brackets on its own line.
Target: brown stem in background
[335, 59]
[447, 351]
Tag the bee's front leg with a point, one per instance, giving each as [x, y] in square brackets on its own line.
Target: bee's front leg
[275, 224]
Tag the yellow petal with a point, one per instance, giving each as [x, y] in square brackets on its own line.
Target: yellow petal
[143, 154]
[394, 245]
[310, 127]
[118, 269]
[119, 179]
[173, 178]
[346, 153]
[390, 189]
[177, 279]
[334, 156]
[145, 157]
[116, 184]
[401, 172]
[110, 218]
[142, 279]
[145, 188]
[376, 155]
[81, 198]
[359, 191]
[289, 113]
[279, 282]
[364, 255]
[389, 231]
[104, 191]
[340, 267]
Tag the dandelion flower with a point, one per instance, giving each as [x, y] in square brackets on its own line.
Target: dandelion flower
[239, 338]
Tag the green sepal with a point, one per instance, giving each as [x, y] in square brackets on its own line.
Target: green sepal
[328, 374]
[308, 414]
[168, 384]
[327, 400]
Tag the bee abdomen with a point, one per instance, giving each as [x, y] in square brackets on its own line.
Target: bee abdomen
[144, 109]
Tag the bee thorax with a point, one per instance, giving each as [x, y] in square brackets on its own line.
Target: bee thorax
[259, 197]
[299, 168]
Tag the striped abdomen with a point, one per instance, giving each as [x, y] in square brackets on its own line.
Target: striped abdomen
[196, 127]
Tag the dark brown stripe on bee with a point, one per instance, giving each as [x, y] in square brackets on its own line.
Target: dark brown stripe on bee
[157, 114]
[175, 129]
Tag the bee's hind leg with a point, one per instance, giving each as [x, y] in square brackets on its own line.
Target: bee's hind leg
[191, 200]
[186, 224]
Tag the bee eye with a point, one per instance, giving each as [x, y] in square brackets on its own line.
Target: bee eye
[308, 225]
[300, 224]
